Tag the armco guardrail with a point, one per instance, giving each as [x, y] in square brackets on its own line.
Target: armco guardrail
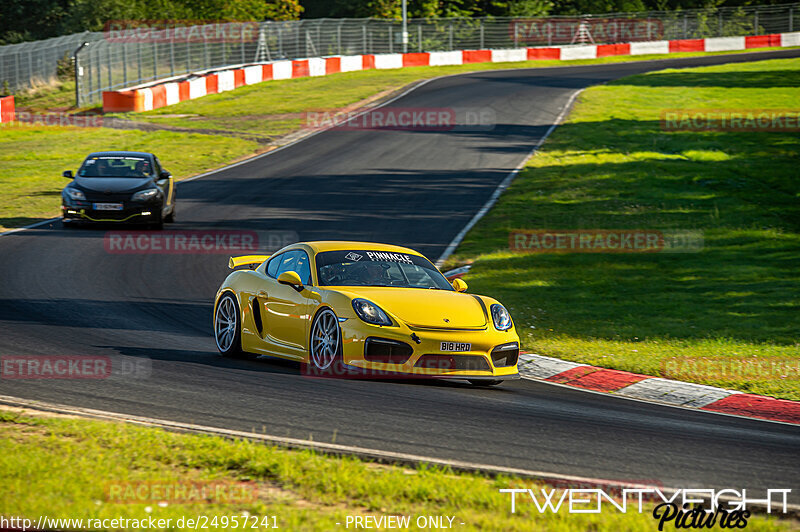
[172, 91]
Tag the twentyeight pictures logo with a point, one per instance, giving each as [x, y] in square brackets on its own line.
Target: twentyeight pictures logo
[681, 508]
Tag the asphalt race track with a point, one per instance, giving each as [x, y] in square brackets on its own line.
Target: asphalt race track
[62, 293]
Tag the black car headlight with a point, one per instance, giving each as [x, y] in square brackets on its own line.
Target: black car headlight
[74, 193]
[144, 195]
[501, 317]
[369, 312]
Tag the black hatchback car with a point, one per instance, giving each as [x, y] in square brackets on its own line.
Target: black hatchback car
[122, 187]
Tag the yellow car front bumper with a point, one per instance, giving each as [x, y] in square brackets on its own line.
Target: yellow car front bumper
[379, 350]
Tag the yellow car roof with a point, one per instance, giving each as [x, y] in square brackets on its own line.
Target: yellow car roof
[336, 245]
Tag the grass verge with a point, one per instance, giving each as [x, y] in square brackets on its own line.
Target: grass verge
[69, 468]
[612, 166]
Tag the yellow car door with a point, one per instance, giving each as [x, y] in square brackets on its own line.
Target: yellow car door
[287, 309]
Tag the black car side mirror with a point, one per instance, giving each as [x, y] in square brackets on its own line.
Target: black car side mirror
[67, 174]
[164, 175]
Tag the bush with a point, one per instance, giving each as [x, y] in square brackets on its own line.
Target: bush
[65, 70]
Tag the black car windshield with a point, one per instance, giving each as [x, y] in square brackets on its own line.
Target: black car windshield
[116, 166]
[378, 268]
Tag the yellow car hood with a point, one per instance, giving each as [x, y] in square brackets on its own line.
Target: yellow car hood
[441, 309]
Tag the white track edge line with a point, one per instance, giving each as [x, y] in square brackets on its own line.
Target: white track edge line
[505, 183]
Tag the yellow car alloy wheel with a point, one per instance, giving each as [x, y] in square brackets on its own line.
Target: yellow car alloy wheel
[324, 339]
[226, 326]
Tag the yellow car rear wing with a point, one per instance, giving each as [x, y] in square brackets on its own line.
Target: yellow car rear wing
[247, 260]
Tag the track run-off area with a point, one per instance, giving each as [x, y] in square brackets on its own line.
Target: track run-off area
[64, 293]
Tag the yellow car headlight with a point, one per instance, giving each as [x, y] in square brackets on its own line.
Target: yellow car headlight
[501, 318]
[369, 312]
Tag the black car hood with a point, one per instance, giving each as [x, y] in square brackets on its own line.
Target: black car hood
[112, 184]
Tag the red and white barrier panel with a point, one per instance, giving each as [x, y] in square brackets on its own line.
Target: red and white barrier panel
[171, 92]
[7, 109]
[649, 388]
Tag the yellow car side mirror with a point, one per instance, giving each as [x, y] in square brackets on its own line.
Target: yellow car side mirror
[460, 285]
[292, 279]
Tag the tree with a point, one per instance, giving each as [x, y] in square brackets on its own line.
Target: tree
[284, 10]
[530, 8]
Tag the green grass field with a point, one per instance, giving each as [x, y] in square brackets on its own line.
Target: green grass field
[611, 166]
[68, 468]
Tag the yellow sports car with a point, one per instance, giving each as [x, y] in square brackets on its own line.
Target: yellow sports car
[361, 308]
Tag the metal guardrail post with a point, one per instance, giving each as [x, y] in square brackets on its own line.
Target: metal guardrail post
[482, 35]
[516, 36]
[97, 70]
[206, 59]
[451, 35]
[171, 57]
[78, 71]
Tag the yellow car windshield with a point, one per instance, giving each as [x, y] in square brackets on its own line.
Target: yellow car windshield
[378, 268]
